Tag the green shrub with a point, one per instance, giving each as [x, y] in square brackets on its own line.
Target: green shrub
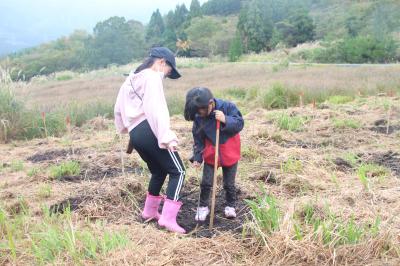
[235, 49]
[355, 50]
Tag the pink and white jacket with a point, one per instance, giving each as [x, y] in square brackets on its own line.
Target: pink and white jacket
[141, 97]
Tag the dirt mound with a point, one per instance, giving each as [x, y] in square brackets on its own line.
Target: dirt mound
[100, 173]
[112, 202]
[73, 203]
[380, 126]
[52, 155]
[342, 165]
[389, 159]
[221, 224]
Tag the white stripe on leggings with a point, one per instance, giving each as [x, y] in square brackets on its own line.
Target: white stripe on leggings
[181, 177]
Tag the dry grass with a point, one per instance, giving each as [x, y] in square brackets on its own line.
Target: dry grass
[219, 76]
[109, 198]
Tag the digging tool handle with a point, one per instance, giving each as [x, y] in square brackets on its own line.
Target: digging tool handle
[214, 189]
[130, 148]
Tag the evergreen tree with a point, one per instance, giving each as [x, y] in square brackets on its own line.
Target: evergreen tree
[235, 49]
[195, 9]
[256, 25]
[155, 29]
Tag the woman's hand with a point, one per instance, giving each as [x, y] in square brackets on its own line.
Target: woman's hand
[219, 115]
[172, 147]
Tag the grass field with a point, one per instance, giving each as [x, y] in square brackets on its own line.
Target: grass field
[319, 184]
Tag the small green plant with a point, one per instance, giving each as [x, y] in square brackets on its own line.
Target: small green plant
[346, 123]
[352, 158]
[250, 152]
[290, 123]
[335, 179]
[16, 166]
[44, 191]
[292, 165]
[366, 172]
[69, 168]
[34, 171]
[340, 99]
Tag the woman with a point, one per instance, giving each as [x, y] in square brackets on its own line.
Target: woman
[141, 110]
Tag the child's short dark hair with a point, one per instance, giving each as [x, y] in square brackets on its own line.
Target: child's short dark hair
[196, 98]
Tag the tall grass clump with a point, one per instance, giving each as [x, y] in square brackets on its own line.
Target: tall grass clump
[19, 122]
[80, 113]
[265, 214]
[11, 113]
[278, 97]
[69, 168]
[334, 231]
[289, 122]
[54, 239]
[176, 104]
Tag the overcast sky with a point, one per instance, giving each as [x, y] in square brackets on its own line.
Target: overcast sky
[25, 23]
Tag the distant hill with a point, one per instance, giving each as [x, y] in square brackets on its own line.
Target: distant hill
[223, 27]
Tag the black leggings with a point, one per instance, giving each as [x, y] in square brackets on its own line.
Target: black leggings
[161, 162]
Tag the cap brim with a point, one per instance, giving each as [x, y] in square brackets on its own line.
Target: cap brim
[174, 73]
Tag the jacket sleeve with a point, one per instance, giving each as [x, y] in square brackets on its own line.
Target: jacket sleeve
[198, 146]
[234, 122]
[157, 114]
[119, 123]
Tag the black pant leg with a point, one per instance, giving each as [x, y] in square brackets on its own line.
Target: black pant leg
[229, 174]
[160, 161]
[206, 184]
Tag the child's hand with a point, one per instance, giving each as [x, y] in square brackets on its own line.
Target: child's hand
[219, 115]
[196, 164]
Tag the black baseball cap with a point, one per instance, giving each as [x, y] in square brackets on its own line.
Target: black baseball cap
[168, 55]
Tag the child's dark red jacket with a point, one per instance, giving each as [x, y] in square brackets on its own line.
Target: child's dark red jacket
[204, 134]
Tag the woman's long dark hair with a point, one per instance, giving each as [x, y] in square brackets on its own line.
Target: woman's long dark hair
[147, 63]
[196, 98]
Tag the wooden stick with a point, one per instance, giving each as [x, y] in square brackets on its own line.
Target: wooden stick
[44, 123]
[301, 103]
[122, 154]
[214, 189]
[388, 119]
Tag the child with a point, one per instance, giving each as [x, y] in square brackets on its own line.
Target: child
[203, 109]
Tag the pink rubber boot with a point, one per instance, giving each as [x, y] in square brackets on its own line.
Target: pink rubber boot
[168, 216]
[151, 205]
